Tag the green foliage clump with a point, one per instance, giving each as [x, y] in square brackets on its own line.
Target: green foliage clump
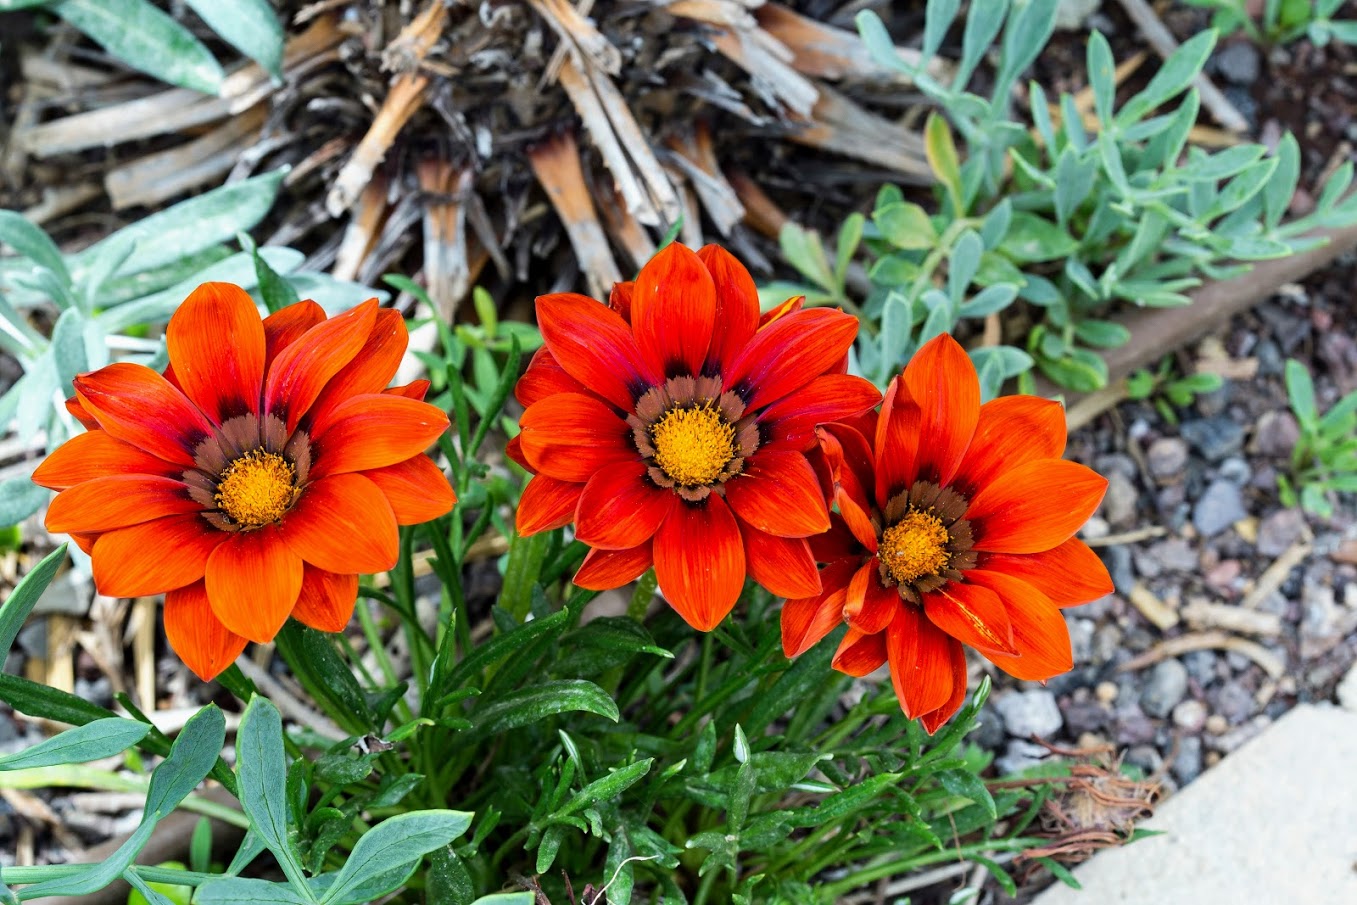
[1324, 460]
[1282, 21]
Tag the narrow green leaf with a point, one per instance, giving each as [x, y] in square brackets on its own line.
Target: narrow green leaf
[191, 758]
[1101, 75]
[1032, 239]
[940, 149]
[1300, 389]
[145, 38]
[905, 225]
[261, 770]
[538, 702]
[607, 788]
[395, 842]
[92, 741]
[20, 602]
[1173, 77]
[248, 891]
[31, 242]
[250, 26]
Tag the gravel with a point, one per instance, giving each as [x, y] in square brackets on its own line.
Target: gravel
[1166, 457]
[1119, 503]
[1215, 438]
[1219, 507]
[1280, 530]
[1238, 63]
[1164, 687]
[1028, 713]
[1187, 765]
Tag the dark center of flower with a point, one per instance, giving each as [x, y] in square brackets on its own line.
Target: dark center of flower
[915, 546]
[693, 445]
[257, 489]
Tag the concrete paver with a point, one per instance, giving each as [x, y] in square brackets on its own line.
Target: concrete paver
[1274, 823]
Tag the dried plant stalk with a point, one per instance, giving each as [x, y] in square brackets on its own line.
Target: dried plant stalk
[360, 236]
[556, 164]
[407, 95]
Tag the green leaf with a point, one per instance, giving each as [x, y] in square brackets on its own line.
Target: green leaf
[92, 741]
[905, 225]
[1029, 28]
[1033, 239]
[20, 602]
[1100, 333]
[250, 26]
[326, 675]
[1300, 389]
[983, 22]
[191, 226]
[533, 704]
[31, 242]
[145, 38]
[989, 300]
[248, 891]
[1281, 187]
[275, 290]
[35, 699]
[506, 898]
[607, 788]
[966, 784]
[1011, 361]
[803, 250]
[261, 769]
[940, 149]
[850, 237]
[449, 881]
[1074, 178]
[1173, 77]
[1101, 75]
[392, 844]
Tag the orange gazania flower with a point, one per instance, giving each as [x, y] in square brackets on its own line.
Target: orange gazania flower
[256, 478]
[672, 426]
[955, 526]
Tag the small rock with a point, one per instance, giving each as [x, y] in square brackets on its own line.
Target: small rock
[1134, 727]
[1346, 552]
[1238, 63]
[1222, 577]
[1070, 15]
[1119, 503]
[1147, 758]
[1235, 469]
[1164, 688]
[1235, 702]
[1219, 507]
[1118, 562]
[1216, 724]
[1028, 713]
[1019, 756]
[1271, 361]
[1175, 555]
[1241, 734]
[1086, 716]
[989, 734]
[1279, 531]
[1187, 765]
[1166, 457]
[1320, 619]
[100, 691]
[1215, 438]
[1116, 463]
[1106, 642]
[1201, 666]
[1081, 638]
[1347, 690]
[32, 639]
[1106, 692]
[1094, 528]
[8, 731]
[1190, 715]
[14, 662]
[1275, 434]
[70, 595]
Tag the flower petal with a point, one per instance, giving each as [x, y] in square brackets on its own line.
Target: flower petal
[828, 398]
[673, 311]
[779, 493]
[196, 634]
[943, 383]
[622, 508]
[860, 654]
[619, 299]
[216, 346]
[737, 306]
[870, 606]
[253, 579]
[368, 372]
[153, 557]
[547, 503]
[544, 377]
[789, 353]
[374, 431]
[595, 346]
[415, 389]
[973, 615]
[343, 524]
[117, 501]
[805, 621]
[1035, 506]
[850, 462]
[932, 721]
[920, 656]
[897, 441]
[570, 437]
[285, 326]
[326, 600]
[417, 489]
[137, 405]
[1011, 430]
[791, 306]
[1069, 574]
[98, 454]
[784, 566]
[81, 414]
[300, 371]
[1040, 636]
[699, 561]
[603, 570]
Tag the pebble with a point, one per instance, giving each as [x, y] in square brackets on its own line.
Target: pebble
[1215, 438]
[1165, 686]
[1219, 507]
[1190, 715]
[1271, 361]
[1134, 727]
[70, 594]
[1274, 434]
[32, 639]
[1187, 765]
[1118, 562]
[8, 731]
[1019, 756]
[1175, 555]
[1028, 713]
[989, 734]
[1116, 463]
[99, 691]
[1235, 469]
[1146, 757]
[1347, 690]
[1235, 702]
[1119, 503]
[1238, 63]
[1217, 724]
[1241, 734]
[1201, 666]
[1070, 15]
[1279, 531]
[1166, 457]
[1106, 642]
[1086, 716]
[1106, 692]
[1081, 638]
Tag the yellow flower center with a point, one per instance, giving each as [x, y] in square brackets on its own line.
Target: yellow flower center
[693, 445]
[914, 546]
[257, 489]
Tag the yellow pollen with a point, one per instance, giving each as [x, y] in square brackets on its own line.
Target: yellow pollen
[256, 489]
[693, 445]
[915, 546]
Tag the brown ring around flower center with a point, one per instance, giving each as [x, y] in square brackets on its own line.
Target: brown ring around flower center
[926, 542]
[692, 437]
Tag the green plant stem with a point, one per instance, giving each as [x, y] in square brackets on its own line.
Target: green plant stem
[641, 597]
[895, 866]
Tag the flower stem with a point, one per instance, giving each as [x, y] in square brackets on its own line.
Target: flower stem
[641, 597]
